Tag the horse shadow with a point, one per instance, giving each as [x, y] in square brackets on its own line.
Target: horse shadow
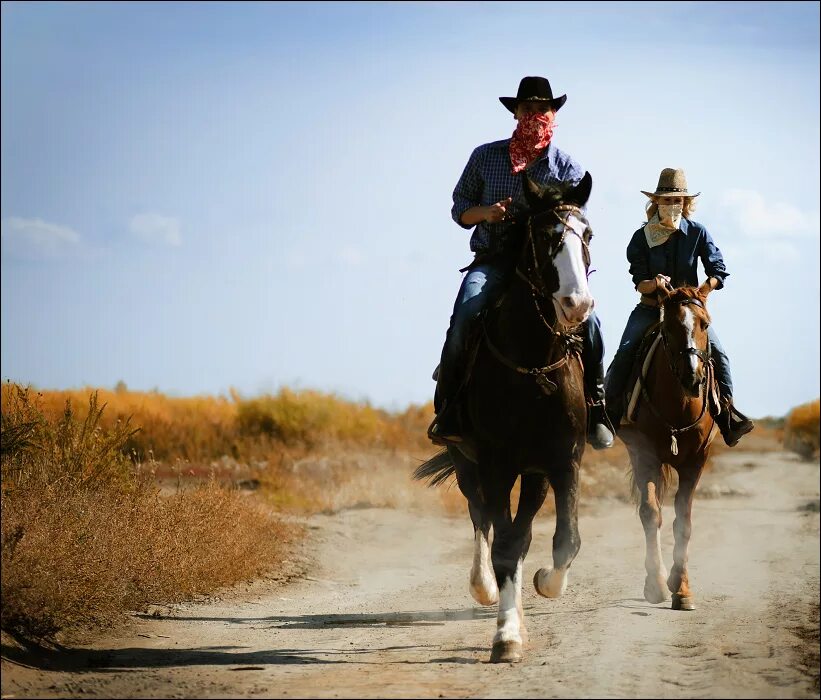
[81, 660]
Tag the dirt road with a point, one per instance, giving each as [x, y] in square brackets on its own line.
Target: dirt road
[385, 612]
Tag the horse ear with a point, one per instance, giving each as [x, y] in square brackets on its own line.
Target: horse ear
[662, 294]
[579, 194]
[532, 191]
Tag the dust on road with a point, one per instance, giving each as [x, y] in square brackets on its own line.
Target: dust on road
[384, 611]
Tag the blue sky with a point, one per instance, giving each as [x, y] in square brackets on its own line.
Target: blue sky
[200, 196]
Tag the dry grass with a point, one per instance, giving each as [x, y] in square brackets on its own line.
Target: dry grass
[81, 557]
[204, 428]
[87, 537]
[801, 429]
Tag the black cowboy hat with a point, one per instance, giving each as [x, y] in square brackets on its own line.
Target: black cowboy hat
[536, 89]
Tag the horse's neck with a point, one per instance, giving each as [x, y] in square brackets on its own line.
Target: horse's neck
[666, 390]
[518, 325]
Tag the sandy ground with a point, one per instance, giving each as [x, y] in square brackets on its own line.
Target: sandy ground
[384, 611]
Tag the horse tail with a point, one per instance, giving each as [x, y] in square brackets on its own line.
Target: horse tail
[666, 475]
[436, 470]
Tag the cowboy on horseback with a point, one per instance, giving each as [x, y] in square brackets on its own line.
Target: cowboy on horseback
[486, 197]
[663, 254]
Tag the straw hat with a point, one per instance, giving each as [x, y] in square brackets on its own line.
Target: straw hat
[672, 183]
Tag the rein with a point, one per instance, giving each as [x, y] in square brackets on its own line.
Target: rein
[705, 383]
[571, 341]
[538, 373]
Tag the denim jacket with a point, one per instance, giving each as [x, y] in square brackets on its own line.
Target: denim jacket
[677, 257]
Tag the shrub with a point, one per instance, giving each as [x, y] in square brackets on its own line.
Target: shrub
[801, 430]
[86, 536]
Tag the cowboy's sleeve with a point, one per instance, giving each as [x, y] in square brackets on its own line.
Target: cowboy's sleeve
[712, 259]
[570, 172]
[638, 258]
[468, 191]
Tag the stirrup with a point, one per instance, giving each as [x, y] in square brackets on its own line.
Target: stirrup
[435, 434]
[732, 428]
[442, 440]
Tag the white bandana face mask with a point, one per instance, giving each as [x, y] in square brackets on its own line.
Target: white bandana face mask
[670, 215]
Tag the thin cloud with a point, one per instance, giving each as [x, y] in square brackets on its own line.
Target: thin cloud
[156, 229]
[351, 256]
[296, 260]
[35, 238]
[760, 217]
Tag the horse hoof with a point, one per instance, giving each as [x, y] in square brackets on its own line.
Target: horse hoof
[483, 596]
[655, 591]
[506, 653]
[682, 602]
[550, 583]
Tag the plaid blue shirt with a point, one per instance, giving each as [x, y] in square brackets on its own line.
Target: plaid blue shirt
[488, 179]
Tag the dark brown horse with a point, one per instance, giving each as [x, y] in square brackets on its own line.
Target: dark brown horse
[672, 429]
[524, 409]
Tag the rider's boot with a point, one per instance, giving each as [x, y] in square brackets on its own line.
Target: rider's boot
[600, 432]
[732, 422]
[614, 407]
[446, 427]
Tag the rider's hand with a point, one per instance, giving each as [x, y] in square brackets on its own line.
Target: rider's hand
[663, 282]
[496, 212]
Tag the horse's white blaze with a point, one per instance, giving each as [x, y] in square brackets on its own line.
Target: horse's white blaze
[510, 604]
[690, 326]
[482, 580]
[551, 583]
[573, 299]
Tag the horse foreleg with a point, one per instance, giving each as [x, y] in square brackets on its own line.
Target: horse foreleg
[533, 491]
[507, 556]
[508, 640]
[483, 586]
[648, 482]
[678, 582]
[551, 583]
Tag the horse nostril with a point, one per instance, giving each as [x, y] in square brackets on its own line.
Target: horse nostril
[575, 307]
[576, 302]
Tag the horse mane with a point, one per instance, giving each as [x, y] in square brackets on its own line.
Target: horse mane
[683, 294]
[680, 294]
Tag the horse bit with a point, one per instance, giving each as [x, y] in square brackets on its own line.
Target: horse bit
[572, 341]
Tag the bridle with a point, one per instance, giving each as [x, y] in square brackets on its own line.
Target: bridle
[705, 383]
[571, 341]
[539, 289]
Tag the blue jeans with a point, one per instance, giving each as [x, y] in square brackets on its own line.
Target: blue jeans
[641, 318]
[481, 287]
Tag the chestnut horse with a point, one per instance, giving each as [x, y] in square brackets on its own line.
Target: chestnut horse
[524, 411]
[673, 429]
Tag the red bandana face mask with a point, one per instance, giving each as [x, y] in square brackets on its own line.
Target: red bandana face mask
[531, 137]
